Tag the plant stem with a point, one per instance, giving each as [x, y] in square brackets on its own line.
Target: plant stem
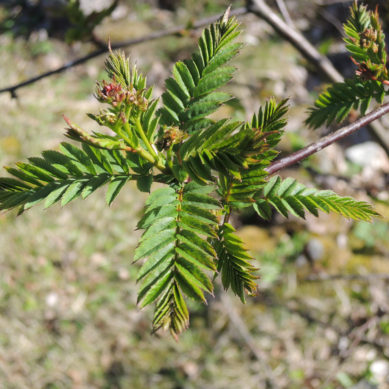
[147, 156]
[142, 134]
[152, 156]
[327, 140]
[227, 214]
[292, 35]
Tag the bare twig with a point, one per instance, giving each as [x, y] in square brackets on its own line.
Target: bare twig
[328, 17]
[331, 2]
[308, 51]
[322, 63]
[118, 45]
[371, 277]
[327, 140]
[284, 12]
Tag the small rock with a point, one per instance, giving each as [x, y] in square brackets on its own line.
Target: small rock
[191, 369]
[88, 6]
[52, 299]
[380, 370]
[343, 343]
[369, 155]
[79, 303]
[315, 249]
[98, 259]
[120, 12]
[342, 240]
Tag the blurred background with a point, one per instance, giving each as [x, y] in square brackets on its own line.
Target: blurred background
[68, 317]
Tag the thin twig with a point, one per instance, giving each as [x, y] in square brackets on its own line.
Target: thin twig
[371, 277]
[327, 140]
[284, 12]
[322, 63]
[118, 45]
[328, 17]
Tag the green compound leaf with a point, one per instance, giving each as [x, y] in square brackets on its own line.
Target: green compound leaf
[178, 255]
[365, 40]
[290, 197]
[234, 264]
[208, 168]
[114, 188]
[334, 104]
[190, 95]
[63, 176]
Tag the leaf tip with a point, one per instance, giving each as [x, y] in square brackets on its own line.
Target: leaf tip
[226, 15]
[67, 120]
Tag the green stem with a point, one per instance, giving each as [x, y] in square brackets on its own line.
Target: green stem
[169, 157]
[142, 134]
[226, 195]
[226, 217]
[147, 156]
[124, 136]
[150, 155]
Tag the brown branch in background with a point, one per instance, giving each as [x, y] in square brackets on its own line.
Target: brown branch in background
[284, 12]
[118, 45]
[371, 277]
[331, 19]
[308, 51]
[327, 140]
[322, 63]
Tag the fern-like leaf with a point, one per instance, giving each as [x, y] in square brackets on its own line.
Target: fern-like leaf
[268, 126]
[64, 176]
[290, 197]
[177, 223]
[365, 41]
[239, 193]
[234, 263]
[190, 95]
[221, 146]
[262, 133]
[336, 102]
[118, 69]
[269, 122]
